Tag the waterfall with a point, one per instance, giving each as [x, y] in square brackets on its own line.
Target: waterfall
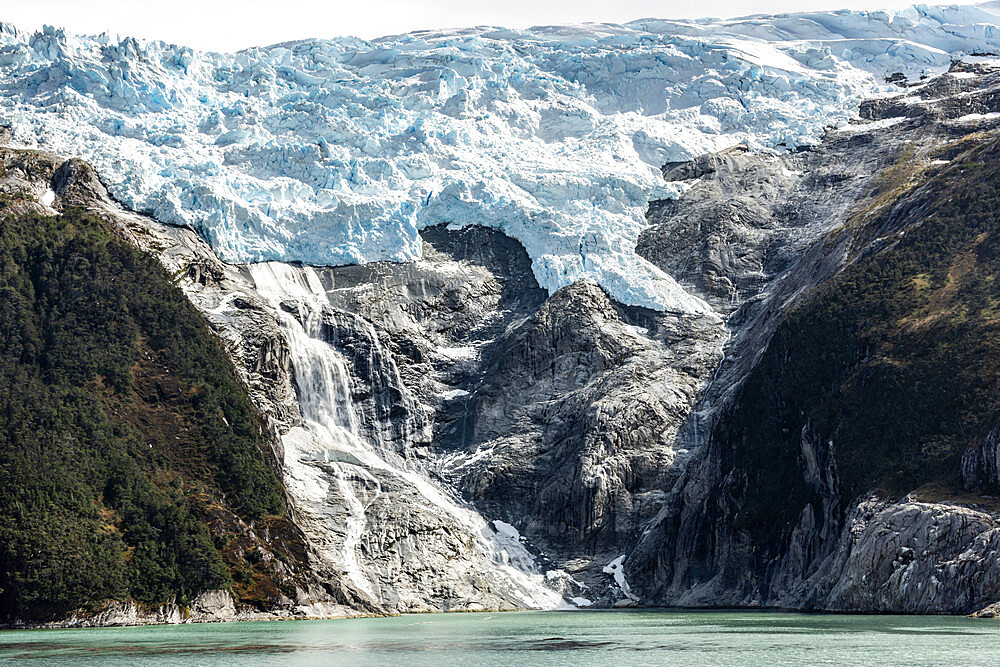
[333, 473]
[329, 433]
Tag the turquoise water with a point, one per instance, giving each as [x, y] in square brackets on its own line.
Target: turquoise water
[531, 638]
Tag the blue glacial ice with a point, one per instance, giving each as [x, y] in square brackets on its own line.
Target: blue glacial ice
[339, 151]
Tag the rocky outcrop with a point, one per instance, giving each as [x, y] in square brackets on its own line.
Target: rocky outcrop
[907, 557]
[209, 607]
[981, 464]
[728, 160]
[567, 432]
[967, 89]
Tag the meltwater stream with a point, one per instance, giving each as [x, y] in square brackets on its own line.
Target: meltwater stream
[535, 638]
[333, 472]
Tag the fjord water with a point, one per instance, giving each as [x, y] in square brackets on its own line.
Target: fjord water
[535, 638]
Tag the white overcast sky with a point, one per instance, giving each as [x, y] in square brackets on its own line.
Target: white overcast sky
[228, 25]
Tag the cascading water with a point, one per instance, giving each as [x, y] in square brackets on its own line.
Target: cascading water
[315, 452]
[323, 379]
[334, 475]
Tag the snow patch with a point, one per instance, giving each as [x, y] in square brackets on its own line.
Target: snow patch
[989, 61]
[48, 198]
[880, 124]
[616, 569]
[458, 352]
[507, 530]
[640, 331]
[975, 117]
[453, 394]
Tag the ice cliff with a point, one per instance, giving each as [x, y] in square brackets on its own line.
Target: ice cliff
[338, 151]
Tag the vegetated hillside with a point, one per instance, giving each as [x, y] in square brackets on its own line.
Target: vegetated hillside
[132, 463]
[892, 368]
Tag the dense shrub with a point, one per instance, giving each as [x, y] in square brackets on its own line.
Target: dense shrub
[894, 364]
[120, 418]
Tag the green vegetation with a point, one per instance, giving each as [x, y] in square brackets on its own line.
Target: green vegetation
[895, 361]
[123, 427]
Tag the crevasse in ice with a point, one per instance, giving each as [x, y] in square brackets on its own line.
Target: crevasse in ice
[339, 151]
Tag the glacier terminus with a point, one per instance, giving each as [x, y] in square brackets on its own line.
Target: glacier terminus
[333, 152]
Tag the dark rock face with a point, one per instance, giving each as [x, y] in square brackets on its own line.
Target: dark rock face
[576, 407]
[390, 415]
[750, 218]
[555, 415]
[981, 464]
[773, 516]
[704, 165]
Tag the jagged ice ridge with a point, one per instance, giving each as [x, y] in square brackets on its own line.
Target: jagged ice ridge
[339, 151]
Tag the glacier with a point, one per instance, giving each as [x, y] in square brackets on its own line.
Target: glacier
[339, 151]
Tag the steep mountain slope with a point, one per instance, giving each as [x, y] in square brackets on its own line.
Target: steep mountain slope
[382, 534]
[878, 383]
[132, 464]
